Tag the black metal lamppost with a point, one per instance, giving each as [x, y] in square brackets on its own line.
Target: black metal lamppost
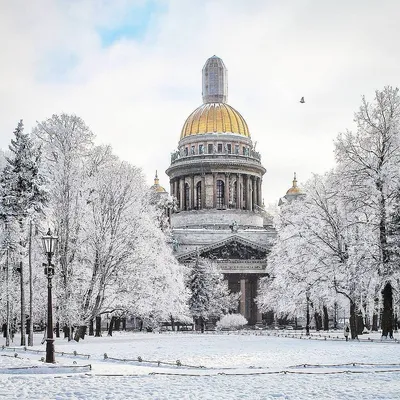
[49, 245]
[308, 312]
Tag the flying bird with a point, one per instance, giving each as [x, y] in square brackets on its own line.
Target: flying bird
[302, 100]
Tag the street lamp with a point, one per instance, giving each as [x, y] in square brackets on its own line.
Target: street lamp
[308, 312]
[49, 244]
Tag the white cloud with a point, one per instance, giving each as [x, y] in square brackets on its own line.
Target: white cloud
[136, 95]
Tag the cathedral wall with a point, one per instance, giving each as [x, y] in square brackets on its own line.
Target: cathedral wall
[216, 217]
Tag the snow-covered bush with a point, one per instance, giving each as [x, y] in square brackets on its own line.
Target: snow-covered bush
[231, 321]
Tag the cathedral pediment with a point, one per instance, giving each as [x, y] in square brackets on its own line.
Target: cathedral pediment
[234, 248]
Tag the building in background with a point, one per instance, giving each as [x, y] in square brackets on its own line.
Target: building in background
[157, 191]
[293, 193]
[216, 176]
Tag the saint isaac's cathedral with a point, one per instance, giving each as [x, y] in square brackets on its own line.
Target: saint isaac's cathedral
[216, 176]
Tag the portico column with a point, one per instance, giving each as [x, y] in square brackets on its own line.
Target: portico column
[214, 190]
[238, 191]
[243, 297]
[226, 195]
[176, 188]
[171, 187]
[259, 199]
[203, 191]
[258, 312]
[192, 192]
[248, 193]
[245, 192]
[254, 188]
[182, 194]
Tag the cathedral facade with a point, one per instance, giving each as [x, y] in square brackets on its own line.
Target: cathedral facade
[216, 176]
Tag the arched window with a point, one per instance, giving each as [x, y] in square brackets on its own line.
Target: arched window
[187, 196]
[220, 194]
[198, 196]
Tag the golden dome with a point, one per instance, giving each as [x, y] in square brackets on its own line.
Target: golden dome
[215, 118]
[294, 189]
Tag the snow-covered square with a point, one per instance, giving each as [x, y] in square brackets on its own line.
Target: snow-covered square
[237, 365]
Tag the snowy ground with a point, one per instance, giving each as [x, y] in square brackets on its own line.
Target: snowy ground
[244, 365]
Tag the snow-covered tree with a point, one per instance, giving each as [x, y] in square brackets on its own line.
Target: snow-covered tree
[66, 143]
[318, 253]
[369, 160]
[23, 196]
[210, 295]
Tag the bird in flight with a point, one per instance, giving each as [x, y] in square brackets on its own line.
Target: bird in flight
[302, 100]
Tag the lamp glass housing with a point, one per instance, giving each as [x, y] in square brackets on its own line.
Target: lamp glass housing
[49, 242]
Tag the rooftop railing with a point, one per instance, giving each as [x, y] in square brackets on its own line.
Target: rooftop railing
[180, 155]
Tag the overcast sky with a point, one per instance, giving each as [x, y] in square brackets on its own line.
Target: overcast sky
[132, 70]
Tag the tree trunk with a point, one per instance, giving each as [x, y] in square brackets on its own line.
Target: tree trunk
[123, 320]
[316, 318]
[23, 316]
[77, 335]
[375, 315]
[387, 313]
[353, 320]
[80, 333]
[8, 317]
[200, 322]
[30, 327]
[360, 323]
[172, 324]
[366, 318]
[111, 326]
[335, 316]
[91, 328]
[117, 323]
[57, 329]
[326, 319]
[98, 326]
[66, 332]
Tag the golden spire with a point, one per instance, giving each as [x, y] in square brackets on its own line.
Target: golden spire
[156, 180]
[294, 181]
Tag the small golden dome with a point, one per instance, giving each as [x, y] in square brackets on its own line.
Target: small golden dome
[160, 189]
[294, 189]
[157, 187]
[215, 118]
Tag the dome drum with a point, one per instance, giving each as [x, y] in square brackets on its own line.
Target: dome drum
[214, 163]
[215, 149]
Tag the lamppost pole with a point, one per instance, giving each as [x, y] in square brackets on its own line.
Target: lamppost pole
[308, 313]
[49, 244]
[50, 339]
[8, 298]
